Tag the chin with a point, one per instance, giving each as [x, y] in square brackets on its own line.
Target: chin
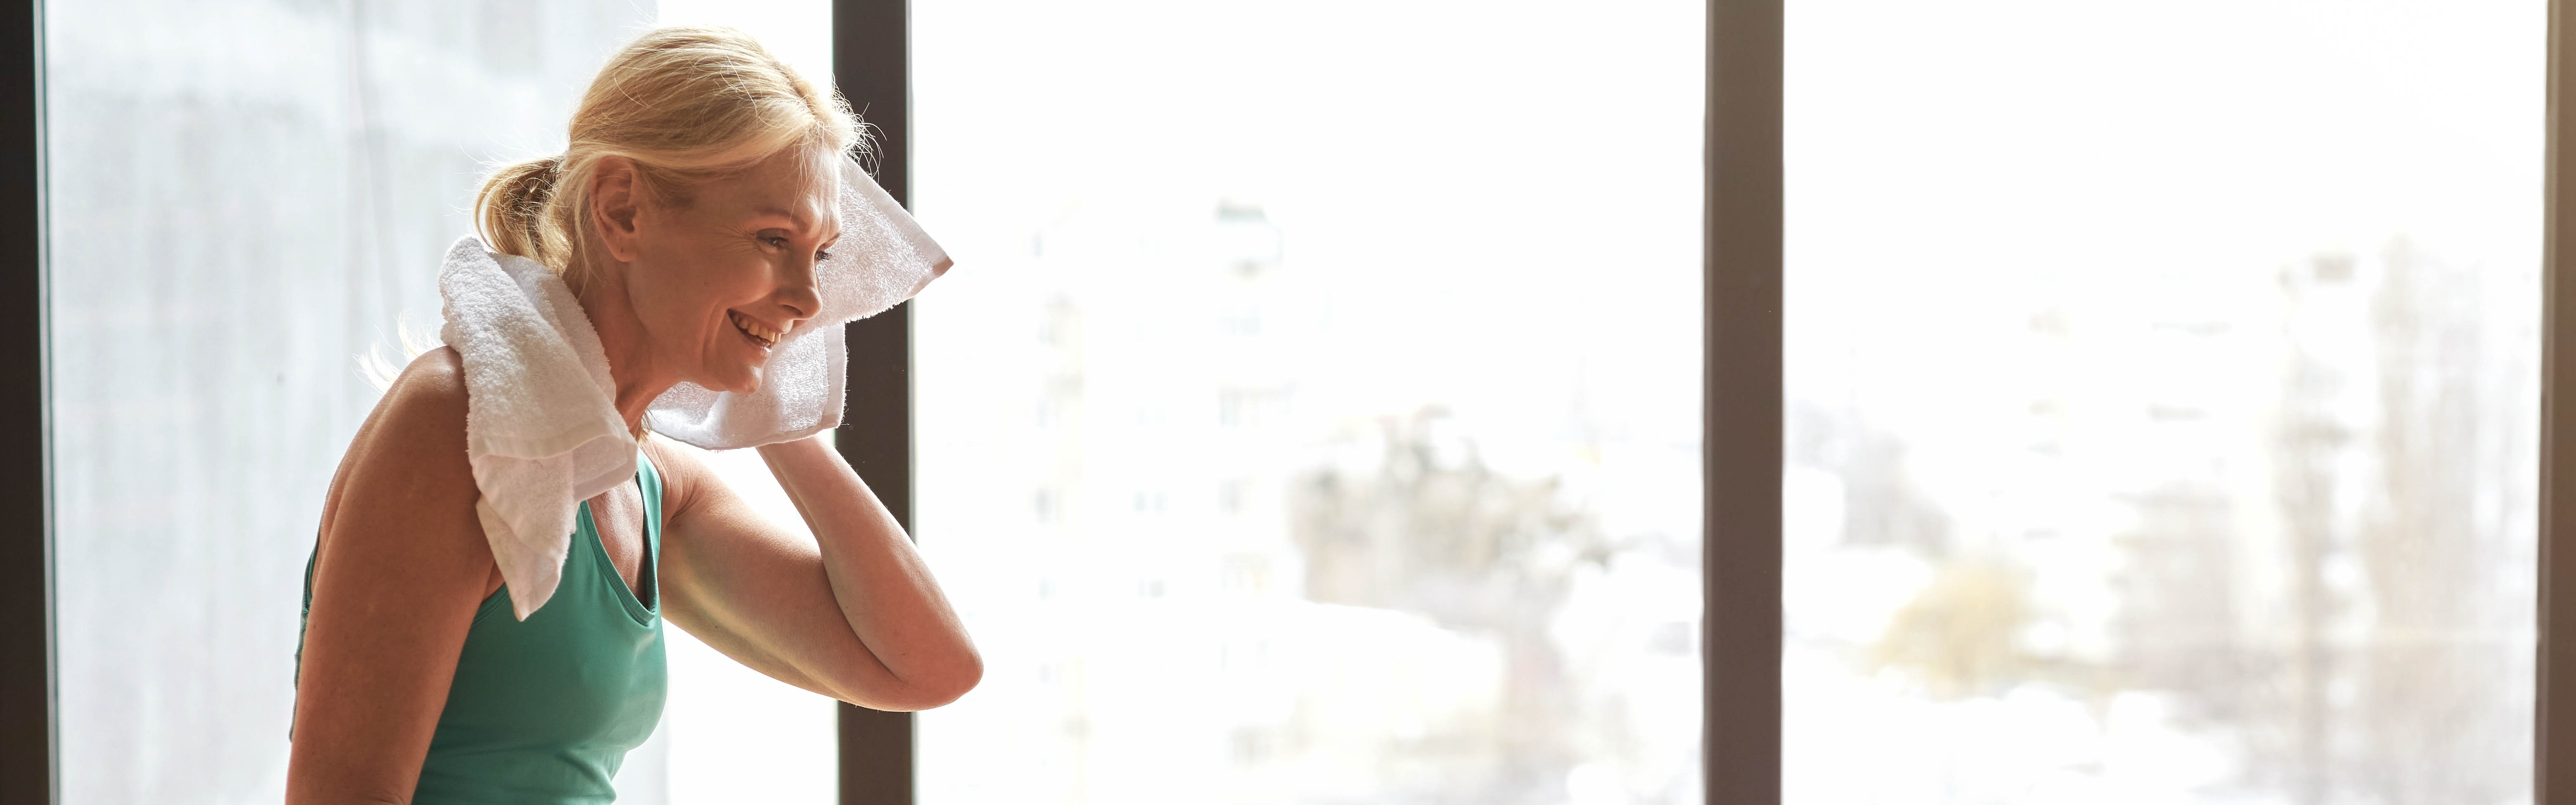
[743, 381]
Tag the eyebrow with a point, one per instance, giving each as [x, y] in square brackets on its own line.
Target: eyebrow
[781, 212]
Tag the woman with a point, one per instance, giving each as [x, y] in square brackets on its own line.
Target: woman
[686, 217]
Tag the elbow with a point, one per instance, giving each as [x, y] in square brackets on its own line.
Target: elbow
[926, 689]
[949, 684]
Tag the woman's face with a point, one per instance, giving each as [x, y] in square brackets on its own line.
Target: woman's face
[716, 281]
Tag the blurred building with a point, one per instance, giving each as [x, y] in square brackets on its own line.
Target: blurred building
[2225, 535]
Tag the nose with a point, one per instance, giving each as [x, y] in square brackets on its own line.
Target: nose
[797, 292]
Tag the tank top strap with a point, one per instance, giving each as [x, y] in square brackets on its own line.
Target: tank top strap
[649, 480]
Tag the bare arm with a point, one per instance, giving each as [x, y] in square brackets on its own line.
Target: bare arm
[853, 614]
[402, 567]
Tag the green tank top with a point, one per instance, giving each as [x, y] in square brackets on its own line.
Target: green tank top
[544, 710]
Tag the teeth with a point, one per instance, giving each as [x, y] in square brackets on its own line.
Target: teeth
[755, 329]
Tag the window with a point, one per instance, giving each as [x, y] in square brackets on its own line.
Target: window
[1350, 480]
[2162, 401]
[2269, 528]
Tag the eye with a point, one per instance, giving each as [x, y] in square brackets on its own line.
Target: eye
[821, 255]
[775, 241]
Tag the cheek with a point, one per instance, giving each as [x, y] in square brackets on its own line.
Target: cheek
[683, 287]
[661, 289]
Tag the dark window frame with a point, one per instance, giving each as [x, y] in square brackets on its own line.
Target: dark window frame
[2553, 741]
[27, 716]
[1740, 391]
[872, 64]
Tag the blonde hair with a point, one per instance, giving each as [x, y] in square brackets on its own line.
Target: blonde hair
[686, 104]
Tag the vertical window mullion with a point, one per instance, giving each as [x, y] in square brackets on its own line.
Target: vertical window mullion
[1741, 448]
[27, 715]
[2554, 735]
[871, 62]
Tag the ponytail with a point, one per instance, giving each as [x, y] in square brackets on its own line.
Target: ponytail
[510, 209]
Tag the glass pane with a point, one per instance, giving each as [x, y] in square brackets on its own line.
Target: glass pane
[2162, 400]
[1312, 415]
[243, 196]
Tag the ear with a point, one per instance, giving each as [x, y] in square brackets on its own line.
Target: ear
[615, 196]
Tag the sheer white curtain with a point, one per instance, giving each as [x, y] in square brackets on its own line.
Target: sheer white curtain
[243, 195]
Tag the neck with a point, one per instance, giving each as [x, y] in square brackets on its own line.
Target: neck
[631, 368]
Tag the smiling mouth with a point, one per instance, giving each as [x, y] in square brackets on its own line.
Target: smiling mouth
[757, 332]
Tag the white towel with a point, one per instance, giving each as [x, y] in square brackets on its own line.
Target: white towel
[541, 430]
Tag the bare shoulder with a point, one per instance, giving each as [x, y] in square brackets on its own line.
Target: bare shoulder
[410, 453]
[429, 394]
[420, 422]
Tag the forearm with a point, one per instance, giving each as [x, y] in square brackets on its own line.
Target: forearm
[884, 589]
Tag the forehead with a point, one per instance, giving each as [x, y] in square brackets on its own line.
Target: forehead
[791, 184]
